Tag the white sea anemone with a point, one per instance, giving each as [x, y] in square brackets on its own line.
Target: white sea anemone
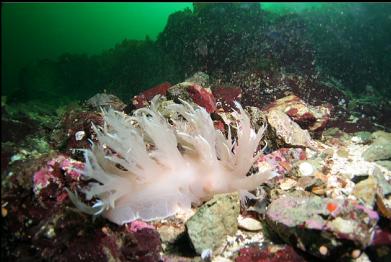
[147, 168]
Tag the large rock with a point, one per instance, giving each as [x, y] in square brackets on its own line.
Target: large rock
[270, 253]
[377, 152]
[381, 137]
[380, 148]
[321, 226]
[215, 220]
[103, 100]
[284, 131]
[313, 118]
[385, 164]
[366, 191]
[200, 78]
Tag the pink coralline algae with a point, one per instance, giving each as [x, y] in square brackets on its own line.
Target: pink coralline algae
[59, 172]
[297, 219]
[137, 225]
[282, 159]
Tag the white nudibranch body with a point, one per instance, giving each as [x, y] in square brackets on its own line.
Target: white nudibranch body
[185, 162]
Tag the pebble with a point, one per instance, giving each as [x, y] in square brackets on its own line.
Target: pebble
[79, 135]
[248, 223]
[306, 169]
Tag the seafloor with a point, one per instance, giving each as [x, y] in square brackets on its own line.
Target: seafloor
[330, 149]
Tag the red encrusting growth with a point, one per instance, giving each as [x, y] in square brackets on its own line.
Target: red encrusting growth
[331, 207]
[202, 97]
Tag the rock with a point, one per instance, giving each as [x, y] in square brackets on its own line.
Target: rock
[17, 130]
[380, 149]
[261, 202]
[383, 206]
[51, 180]
[226, 96]
[378, 152]
[144, 97]
[142, 245]
[362, 137]
[257, 116]
[284, 131]
[384, 163]
[173, 235]
[380, 250]
[105, 100]
[192, 92]
[366, 191]
[312, 184]
[322, 226]
[306, 169]
[384, 185]
[309, 167]
[313, 118]
[56, 232]
[16, 127]
[281, 160]
[174, 258]
[216, 219]
[249, 224]
[287, 184]
[272, 253]
[199, 78]
[381, 137]
[170, 233]
[75, 122]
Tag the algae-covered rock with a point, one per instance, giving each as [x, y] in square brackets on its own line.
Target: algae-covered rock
[366, 191]
[385, 164]
[287, 132]
[312, 118]
[378, 152]
[381, 137]
[215, 220]
[323, 227]
[362, 137]
[200, 78]
[381, 147]
[103, 100]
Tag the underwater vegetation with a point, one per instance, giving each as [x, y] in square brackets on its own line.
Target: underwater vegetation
[237, 135]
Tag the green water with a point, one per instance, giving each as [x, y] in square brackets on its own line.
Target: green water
[35, 31]
[32, 31]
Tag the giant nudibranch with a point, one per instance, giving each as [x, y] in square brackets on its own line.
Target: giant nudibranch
[145, 167]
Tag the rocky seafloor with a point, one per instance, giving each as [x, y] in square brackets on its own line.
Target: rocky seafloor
[331, 199]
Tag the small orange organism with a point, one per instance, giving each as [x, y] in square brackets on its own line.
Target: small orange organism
[331, 207]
